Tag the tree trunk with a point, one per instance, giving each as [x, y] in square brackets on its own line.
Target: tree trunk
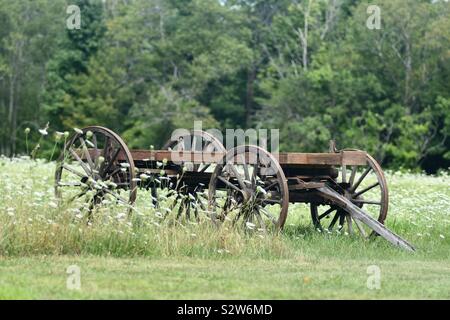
[11, 114]
[408, 71]
[251, 76]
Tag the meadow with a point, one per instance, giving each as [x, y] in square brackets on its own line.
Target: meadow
[148, 257]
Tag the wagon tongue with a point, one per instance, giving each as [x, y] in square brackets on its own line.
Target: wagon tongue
[359, 214]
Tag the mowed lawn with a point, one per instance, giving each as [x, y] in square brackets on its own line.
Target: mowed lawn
[197, 278]
[117, 259]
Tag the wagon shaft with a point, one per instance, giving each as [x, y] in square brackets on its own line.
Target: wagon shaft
[359, 214]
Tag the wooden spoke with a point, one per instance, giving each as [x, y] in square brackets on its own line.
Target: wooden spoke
[246, 173]
[367, 201]
[70, 184]
[228, 183]
[366, 189]
[344, 174]
[122, 184]
[262, 225]
[360, 228]
[272, 201]
[81, 162]
[326, 213]
[209, 147]
[314, 216]
[194, 143]
[237, 175]
[254, 175]
[268, 215]
[75, 172]
[271, 186]
[361, 178]
[78, 195]
[333, 222]
[95, 142]
[205, 167]
[111, 161]
[113, 173]
[348, 217]
[115, 195]
[86, 153]
[352, 175]
[106, 146]
[341, 220]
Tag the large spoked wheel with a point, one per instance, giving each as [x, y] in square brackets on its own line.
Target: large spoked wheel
[249, 188]
[196, 140]
[366, 187]
[188, 199]
[94, 168]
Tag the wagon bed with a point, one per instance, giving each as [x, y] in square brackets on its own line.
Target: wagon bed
[285, 159]
[346, 189]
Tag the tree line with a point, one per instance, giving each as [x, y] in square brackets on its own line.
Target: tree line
[311, 68]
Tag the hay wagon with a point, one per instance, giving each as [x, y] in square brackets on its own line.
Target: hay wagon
[346, 189]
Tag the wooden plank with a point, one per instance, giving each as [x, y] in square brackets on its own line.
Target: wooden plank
[354, 158]
[310, 158]
[290, 158]
[196, 157]
[299, 184]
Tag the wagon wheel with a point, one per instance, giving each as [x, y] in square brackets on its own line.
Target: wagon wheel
[188, 199]
[95, 167]
[366, 187]
[249, 187]
[196, 140]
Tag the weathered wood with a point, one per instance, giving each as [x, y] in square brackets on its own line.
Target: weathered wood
[341, 158]
[299, 184]
[352, 158]
[359, 214]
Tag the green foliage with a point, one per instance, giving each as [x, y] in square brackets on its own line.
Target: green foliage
[383, 91]
[310, 68]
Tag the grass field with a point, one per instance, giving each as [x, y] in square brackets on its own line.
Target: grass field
[149, 258]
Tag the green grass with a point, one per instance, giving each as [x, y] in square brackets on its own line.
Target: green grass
[147, 257]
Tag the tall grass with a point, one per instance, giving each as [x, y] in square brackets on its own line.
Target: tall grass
[32, 223]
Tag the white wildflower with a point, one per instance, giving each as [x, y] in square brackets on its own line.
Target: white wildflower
[250, 225]
[259, 189]
[120, 216]
[43, 131]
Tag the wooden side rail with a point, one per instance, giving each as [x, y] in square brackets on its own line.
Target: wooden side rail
[350, 158]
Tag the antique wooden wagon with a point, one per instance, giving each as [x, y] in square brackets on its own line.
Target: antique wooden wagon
[346, 189]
